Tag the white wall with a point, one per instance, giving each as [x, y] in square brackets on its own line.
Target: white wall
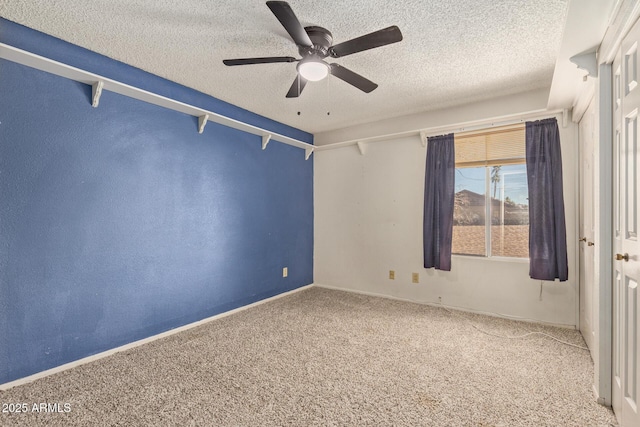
[368, 220]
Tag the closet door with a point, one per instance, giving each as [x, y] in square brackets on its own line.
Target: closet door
[626, 297]
[587, 227]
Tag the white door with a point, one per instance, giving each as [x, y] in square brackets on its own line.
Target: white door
[626, 298]
[586, 227]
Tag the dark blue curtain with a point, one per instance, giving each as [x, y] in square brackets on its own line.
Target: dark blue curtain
[547, 228]
[438, 202]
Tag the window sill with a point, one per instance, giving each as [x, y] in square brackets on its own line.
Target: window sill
[493, 258]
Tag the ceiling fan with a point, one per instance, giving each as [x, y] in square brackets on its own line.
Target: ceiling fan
[314, 45]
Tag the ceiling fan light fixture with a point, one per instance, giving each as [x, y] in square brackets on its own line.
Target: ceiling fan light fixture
[313, 70]
[314, 45]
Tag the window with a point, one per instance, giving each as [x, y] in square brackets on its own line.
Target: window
[491, 210]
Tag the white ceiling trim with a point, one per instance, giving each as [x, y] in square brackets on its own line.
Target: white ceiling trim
[625, 15]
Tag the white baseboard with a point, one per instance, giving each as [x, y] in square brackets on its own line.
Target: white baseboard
[596, 395]
[133, 344]
[452, 307]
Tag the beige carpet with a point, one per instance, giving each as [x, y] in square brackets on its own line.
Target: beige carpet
[330, 358]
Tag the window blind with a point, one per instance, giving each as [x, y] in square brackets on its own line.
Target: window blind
[490, 147]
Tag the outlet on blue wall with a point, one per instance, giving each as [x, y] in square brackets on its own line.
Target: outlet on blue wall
[121, 222]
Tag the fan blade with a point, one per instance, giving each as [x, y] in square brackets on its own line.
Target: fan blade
[296, 88]
[352, 78]
[287, 18]
[368, 41]
[267, 60]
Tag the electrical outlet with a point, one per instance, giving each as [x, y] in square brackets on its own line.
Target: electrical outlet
[439, 300]
[285, 271]
[415, 278]
[392, 274]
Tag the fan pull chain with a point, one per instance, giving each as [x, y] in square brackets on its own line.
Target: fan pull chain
[327, 95]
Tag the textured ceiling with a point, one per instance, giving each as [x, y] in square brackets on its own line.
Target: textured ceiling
[453, 52]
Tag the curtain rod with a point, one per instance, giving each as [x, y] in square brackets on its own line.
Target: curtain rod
[453, 128]
[494, 123]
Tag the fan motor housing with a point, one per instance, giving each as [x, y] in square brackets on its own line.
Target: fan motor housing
[321, 39]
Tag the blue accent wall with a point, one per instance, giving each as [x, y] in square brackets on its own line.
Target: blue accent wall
[121, 222]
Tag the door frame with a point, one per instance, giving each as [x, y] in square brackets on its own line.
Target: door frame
[605, 232]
